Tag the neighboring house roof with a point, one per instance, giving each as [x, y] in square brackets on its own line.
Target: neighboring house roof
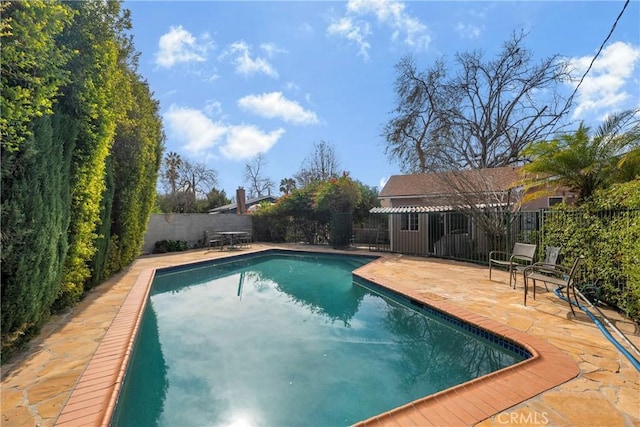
[446, 191]
[232, 207]
[443, 183]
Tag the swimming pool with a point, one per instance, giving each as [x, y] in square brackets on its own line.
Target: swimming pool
[332, 351]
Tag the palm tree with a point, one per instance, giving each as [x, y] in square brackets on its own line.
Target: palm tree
[585, 163]
[287, 185]
[172, 165]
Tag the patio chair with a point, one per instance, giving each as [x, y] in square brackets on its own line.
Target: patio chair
[521, 256]
[551, 260]
[244, 239]
[212, 239]
[559, 275]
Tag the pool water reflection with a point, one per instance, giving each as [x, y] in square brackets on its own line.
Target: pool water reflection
[289, 341]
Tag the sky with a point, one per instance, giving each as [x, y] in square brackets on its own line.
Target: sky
[235, 78]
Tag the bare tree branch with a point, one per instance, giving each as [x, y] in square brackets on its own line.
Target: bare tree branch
[259, 185]
[321, 165]
[196, 179]
[481, 117]
[413, 135]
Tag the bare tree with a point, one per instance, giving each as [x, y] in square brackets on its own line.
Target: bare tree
[321, 165]
[482, 117]
[196, 179]
[184, 183]
[420, 120]
[259, 185]
[483, 194]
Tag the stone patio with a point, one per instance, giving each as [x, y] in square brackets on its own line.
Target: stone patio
[37, 383]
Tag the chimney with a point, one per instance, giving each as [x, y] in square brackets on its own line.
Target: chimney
[241, 201]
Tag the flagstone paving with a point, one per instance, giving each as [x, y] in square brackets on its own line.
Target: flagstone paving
[37, 383]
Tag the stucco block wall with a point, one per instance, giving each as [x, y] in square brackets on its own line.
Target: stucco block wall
[190, 227]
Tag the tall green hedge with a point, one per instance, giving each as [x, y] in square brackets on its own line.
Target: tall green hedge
[36, 157]
[137, 153]
[606, 230]
[35, 219]
[81, 147]
[92, 100]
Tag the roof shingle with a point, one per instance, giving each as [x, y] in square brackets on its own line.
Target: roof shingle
[442, 183]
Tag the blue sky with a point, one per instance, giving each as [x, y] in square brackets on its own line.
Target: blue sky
[235, 79]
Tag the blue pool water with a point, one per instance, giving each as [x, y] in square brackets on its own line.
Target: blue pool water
[289, 340]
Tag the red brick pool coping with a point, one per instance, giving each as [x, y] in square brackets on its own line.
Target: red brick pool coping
[94, 397]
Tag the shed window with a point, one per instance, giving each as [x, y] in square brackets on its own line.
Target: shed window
[555, 200]
[409, 221]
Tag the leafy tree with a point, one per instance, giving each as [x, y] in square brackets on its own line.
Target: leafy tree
[181, 202]
[321, 165]
[215, 199]
[259, 185]
[337, 195]
[298, 208]
[287, 185]
[368, 199]
[481, 117]
[583, 162]
[308, 211]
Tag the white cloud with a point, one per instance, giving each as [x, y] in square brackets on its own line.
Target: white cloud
[179, 45]
[245, 141]
[354, 32]
[194, 129]
[213, 108]
[292, 86]
[199, 134]
[272, 49]
[605, 88]
[212, 78]
[390, 13]
[211, 75]
[468, 31]
[246, 64]
[275, 105]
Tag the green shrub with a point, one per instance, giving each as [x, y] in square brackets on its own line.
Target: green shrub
[606, 230]
[164, 246]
